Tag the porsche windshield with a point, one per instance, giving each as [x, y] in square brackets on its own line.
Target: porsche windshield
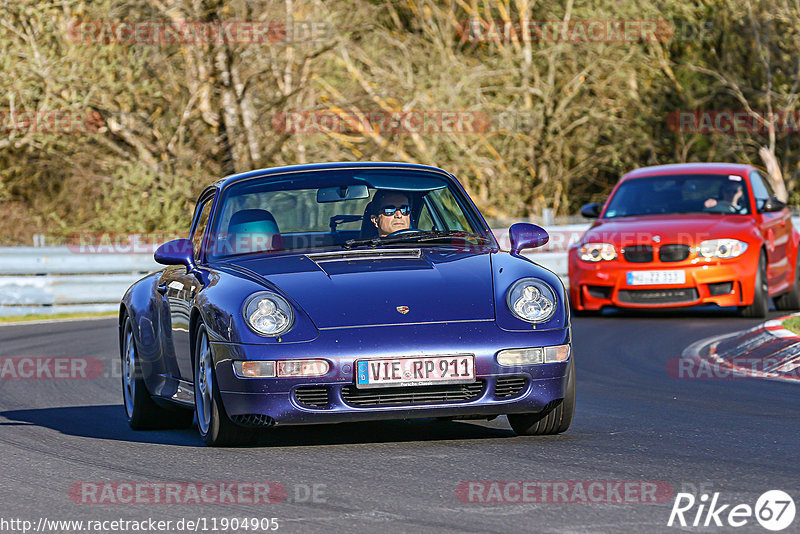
[658, 195]
[338, 208]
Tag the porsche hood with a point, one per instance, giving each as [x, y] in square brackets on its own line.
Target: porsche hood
[382, 286]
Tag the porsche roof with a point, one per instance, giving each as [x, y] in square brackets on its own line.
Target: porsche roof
[224, 182]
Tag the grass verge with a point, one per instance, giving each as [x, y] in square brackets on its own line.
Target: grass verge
[45, 316]
[792, 324]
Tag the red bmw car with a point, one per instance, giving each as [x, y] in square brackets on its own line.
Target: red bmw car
[684, 235]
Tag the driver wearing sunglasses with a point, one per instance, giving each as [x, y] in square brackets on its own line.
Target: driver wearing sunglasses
[393, 212]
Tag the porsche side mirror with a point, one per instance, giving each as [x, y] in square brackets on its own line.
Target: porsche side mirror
[591, 211]
[526, 235]
[176, 252]
[772, 204]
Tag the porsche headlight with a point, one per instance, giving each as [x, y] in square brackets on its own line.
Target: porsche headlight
[268, 314]
[595, 252]
[721, 248]
[532, 300]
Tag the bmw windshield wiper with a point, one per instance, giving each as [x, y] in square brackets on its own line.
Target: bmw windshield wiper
[418, 236]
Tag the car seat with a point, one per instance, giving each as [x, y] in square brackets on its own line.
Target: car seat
[253, 230]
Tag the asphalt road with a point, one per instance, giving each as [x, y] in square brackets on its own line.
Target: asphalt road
[633, 423]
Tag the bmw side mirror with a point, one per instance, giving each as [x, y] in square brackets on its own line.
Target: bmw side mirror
[771, 205]
[591, 211]
[526, 235]
[176, 252]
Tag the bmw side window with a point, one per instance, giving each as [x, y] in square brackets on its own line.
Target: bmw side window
[200, 229]
[761, 190]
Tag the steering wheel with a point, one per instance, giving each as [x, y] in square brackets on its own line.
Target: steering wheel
[403, 232]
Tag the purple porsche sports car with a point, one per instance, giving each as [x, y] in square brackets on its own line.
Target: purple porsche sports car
[344, 292]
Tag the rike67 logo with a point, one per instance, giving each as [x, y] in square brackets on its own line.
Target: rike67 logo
[774, 510]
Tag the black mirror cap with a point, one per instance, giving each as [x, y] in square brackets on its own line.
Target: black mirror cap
[772, 205]
[591, 211]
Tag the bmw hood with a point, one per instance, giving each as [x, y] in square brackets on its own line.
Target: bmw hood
[382, 286]
[688, 229]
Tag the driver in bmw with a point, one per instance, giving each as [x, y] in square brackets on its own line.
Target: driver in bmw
[392, 212]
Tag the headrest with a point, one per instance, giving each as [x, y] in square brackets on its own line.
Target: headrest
[253, 221]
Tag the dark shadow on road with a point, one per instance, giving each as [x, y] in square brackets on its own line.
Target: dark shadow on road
[705, 312]
[108, 422]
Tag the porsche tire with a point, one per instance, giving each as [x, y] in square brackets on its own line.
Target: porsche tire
[760, 305]
[213, 423]
[790, 301]
[141, 410]
[554, 419]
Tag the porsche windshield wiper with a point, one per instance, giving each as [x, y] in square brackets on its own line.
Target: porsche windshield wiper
[417, 237]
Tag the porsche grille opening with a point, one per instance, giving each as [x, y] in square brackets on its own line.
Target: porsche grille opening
[413, 395]
[253, 420]
[508, 386]
[312, 396]
[658, 296]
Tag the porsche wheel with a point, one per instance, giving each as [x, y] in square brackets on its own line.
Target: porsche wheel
[214, 425]
[142, 411]
[760, 303]
[554, 419]
[790, 301]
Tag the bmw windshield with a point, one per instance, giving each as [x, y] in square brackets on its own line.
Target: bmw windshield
[668, 194]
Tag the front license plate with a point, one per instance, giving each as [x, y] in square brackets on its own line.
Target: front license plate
[456, 369]
[644, 278]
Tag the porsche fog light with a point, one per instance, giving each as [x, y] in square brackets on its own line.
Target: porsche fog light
[515, 357]
[254, 369]
[292, 368]
[532, 300]
[594, 252]
[268, 314]
[721, 248]
[533, 356]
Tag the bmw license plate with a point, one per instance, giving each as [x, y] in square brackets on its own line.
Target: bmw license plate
[423, 371]
[643, 278]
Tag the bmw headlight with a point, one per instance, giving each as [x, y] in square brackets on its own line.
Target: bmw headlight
[721, 248]
[268, 314]
[532, 300]
[595, 252]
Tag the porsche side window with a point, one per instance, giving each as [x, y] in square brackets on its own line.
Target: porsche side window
[449, 211]
[200, 230]
[425, 220]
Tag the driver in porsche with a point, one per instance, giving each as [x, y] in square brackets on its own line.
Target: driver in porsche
[393, 212]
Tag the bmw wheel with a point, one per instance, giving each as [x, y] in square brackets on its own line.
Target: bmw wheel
[760, 303]
[790, 301]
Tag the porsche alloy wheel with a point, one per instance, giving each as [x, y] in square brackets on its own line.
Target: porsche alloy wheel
[555, 418]
[760, 303]
[213, 423]
[141, 410]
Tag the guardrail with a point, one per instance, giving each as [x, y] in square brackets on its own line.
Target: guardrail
[50, 280]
